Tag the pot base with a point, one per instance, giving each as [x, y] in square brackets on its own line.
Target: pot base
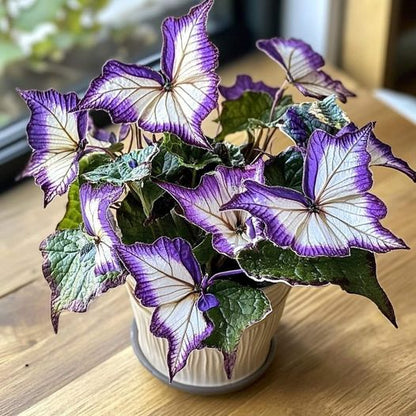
[228, 388]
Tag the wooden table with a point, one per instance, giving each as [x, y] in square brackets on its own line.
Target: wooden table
[337, 355]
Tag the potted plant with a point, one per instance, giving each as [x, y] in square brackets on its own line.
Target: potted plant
[209, 235]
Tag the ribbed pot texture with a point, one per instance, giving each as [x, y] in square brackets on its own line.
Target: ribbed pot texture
[205, 367]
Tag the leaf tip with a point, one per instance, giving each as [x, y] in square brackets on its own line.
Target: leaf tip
[172, 373]
[389, 313]
[55, 320]
[229, 362]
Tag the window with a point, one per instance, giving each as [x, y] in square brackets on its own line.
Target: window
[62, 44]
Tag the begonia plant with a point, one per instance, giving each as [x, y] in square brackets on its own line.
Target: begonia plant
[200, 223]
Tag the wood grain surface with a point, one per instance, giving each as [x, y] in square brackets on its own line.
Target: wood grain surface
[337, 355]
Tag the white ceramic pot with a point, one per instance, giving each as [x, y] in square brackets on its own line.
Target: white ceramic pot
[204, 372]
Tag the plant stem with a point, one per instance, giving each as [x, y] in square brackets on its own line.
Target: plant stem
[102, 149]
[258, 139]
[217, 108]
[225, 273]
[208, 268]
[268, 138]
[138, 192]
[220, 262]
[139, 142]
[193, 178]
[255, 145]
[131, 139]
[277, 97]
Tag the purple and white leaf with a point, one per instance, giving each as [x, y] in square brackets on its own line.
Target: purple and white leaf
[166, 271]
[57, 137]
[170, 279]
[233, 230]
[302, 64]
[335, 212]
[99, 224]
[245, 83]
[381, 153]
[179, 97]
[319, 84]
[185, 327]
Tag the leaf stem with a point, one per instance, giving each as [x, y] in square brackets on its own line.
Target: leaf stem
[102, 149]
[225, 273]
[255, 145]
[258, 139]
[277, 97]
[139, 141]
[138, 192]
[131, 139]
[193, 178]
[268, 138]
[217, 108]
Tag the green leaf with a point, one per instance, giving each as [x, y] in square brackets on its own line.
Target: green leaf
[251, 111]
[189, 156]
[131, 221]
[173, 225]
[116, 147]
[148, 193]
[135, 226]
[204, 251]
[166, 165]
[73, 216]
[285, 169]
[239, 308]
[68, 267]
[324, 115]
[230, 154]
[285, 102]
[328, 112]
[265, 122]
[236, 114]
[354, 274]
[133, 166]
